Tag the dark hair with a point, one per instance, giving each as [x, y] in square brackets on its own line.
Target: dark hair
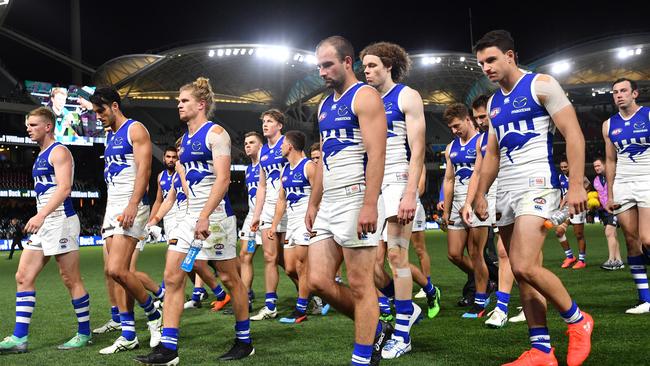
[106, 96]
[455, 110]
[43, 112]
[633, 84]
[499, 38]
[276, 114]
[598, 158]
[564, 160]
[296, 139]
[170, 148]
[480, 101]
[391, 55]
[315, 146]
[255, 134]
[342, 46]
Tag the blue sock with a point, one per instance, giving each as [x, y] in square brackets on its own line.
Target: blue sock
[271, 299]
[389, 291]
[361, 354]
[162, 284]
[25, 302]
[243, 331]
[638, 269]
[150, 310]
[82, 309]
[403, 310]
[169, 338]
[540, 339]
[160, 294]
[196, 294]
[115, 314]
[428, 288]
[128, 325]
[582, 256]
[219, 293]
[480, 299]
[301, 305]
[569, 253]
[573, 315]
[503, 298]
[384, 305]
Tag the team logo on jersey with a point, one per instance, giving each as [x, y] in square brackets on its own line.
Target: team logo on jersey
[196, 146]
[539, 200]
[639, 125]
[520, 102]
[515, 140]
[343, 110]
[617, 131]
[322, 116]
[494, 112]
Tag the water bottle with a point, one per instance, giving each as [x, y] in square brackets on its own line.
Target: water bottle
[558, 217]
[190, 257]
[441, 223]
[250, 248]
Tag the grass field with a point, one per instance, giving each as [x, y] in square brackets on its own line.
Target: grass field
[619, 339]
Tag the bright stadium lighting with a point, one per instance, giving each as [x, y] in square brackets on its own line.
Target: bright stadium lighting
[236, 52]
[211, 53]
[228, 51]
[220, 52]
[560, 67]
[296, 57]
[311, 59]
[638, 51]
[279, 53]
[462, 58]
[251, 51]
[425, 60]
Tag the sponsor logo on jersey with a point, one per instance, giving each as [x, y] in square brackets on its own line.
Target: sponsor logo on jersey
[42, 163]
[520, 102]
[196, 146]
[297, 176]
[118, 140]
[639, 125]
[471, 152]
[343, 110]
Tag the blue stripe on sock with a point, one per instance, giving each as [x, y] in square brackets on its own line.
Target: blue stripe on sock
[83, 316]
[24, 317]
[384, 305]
[169, 338]
[150, 310]
[403, 310]
[480, 299]
[503, 298]
[573, 315]
[301, 305]
[540, 339]
[196, 294]
[271, 299]
[361, 354]
[128, 325]
[243, 330]
[640, 276]
[219, 293]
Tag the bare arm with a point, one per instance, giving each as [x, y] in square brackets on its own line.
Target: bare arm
[142, 155]
[448, 184]
[316, 181]
[610, 167]
[415, 133]
[372, 122]
[280, 207]
[474, 179]
[61, 160]
[163, 208]
[260, 195]
[159, 199]
[422, 184]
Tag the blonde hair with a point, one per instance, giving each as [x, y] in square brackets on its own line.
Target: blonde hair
[202, 90]
[43, 112]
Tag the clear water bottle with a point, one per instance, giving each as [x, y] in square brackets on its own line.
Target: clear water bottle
[441, 223]
[190, 257]
[558, 217]
[250, 248]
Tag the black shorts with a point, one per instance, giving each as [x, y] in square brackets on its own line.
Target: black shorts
[608, 219]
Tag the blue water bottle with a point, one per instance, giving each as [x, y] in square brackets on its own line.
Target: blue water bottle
[250, 248]
[190, 257]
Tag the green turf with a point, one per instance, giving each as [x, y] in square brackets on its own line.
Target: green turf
[619, 339]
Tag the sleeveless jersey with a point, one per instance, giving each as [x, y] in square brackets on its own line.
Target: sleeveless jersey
[398, 153]
[166, 183]
[181, 198]
[252, 181]
[524, 132]
[45, 181]
[564, 183]
[296, 188]
[119, 164]
[463, 158]
[272, 162]
[344, 155]
[493, 188]
[631, 137]
[196, 158]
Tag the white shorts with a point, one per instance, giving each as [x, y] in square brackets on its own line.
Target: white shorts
[266, 219]
[631, 194]
[420, 219]
[246, 232]
[297, 233]
[456, 221]
[213, 249]
[579, 219]
[169, 225]
[537, 202]
[338, 216]
[112, 227]
[58, 235]
[392, 194]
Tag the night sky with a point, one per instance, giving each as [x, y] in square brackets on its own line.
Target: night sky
[114, 28]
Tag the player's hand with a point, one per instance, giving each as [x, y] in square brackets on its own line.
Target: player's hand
[202, 229]
[128, 216]
[271, 232]
[445, 217]
[576, 199]
[481, 207]
[611, 206]
[367, 222]
[255, 223]
[406, 209]
[440, 206]
[466, 213]
[34, 224]
[310, 217]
